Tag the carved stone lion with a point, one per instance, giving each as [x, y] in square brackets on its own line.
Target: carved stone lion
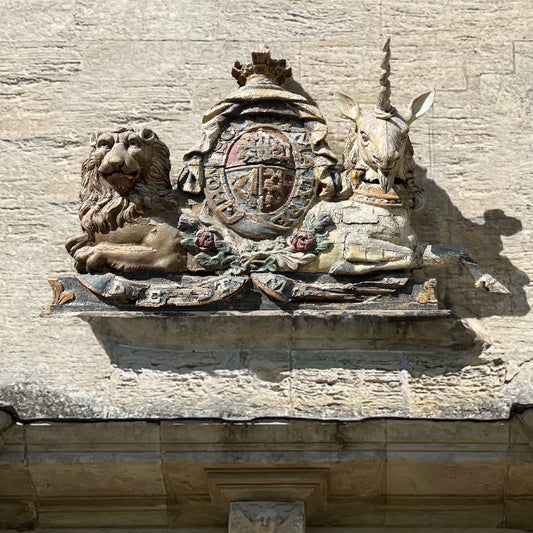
[128, 211]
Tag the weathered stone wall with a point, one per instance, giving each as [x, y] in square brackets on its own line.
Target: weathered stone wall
[70, 67]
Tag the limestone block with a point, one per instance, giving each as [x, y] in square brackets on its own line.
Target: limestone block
[175, 21]
[339, 398]
[30, 63]
[14, 473]
[17, 514]
[363, 478]
[149, 62]
[520, 469]
[189, 515]
[523, 56]
[367, 514]
[519, 513]
[62, 474]
[323, 61]
[447, 476]
[15, 478]
[106, 513]
[521, 475]
[214, 373]
[447, 513]
[459, 435]
[27, 22]
[288, 21]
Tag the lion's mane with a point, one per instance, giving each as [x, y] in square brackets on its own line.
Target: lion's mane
[103, 209]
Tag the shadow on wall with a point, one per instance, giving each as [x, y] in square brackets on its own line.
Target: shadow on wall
[442, 223]
[434, 347]
[443, 346]
[217, 343]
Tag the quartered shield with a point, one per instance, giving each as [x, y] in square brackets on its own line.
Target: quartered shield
[259, 177]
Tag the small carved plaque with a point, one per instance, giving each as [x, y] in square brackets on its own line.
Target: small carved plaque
[266, 517]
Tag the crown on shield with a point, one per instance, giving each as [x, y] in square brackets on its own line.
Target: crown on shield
[262, 64]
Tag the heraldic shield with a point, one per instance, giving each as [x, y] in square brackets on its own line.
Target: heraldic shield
[263, 157]
[266, 183]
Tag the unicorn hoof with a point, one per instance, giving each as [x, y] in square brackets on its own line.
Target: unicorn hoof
[491, 284]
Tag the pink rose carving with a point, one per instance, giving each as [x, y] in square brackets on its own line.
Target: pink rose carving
[205, 239]
[302, 241]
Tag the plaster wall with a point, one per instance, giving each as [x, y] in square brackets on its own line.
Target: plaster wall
[71, 67]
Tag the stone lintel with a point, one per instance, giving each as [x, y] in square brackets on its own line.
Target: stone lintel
[185, 474]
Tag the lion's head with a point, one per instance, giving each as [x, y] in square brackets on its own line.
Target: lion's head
[126, 174]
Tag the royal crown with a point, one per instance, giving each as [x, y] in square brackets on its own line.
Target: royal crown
[262, 64]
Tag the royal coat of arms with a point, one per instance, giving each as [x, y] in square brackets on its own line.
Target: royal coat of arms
[260, 204]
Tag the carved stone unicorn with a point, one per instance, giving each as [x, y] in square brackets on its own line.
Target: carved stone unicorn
[373, 227]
